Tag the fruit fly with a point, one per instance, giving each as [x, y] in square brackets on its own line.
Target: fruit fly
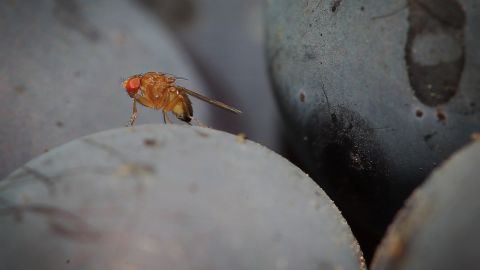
[159, 91]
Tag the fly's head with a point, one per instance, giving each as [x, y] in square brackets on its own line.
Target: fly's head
[132, 84]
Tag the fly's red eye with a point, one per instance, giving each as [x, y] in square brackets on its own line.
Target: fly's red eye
[132, 85]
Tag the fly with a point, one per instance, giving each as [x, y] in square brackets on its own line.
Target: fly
[158, 91]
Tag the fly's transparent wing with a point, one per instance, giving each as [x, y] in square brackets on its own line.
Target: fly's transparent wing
[209, 100]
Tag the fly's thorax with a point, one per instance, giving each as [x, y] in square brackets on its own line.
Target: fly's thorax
[154, 89]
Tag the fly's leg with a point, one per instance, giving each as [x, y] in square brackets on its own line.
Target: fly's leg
[142, 100]
[166, 98]
[165, 118]
[134, 114]
[197, 122]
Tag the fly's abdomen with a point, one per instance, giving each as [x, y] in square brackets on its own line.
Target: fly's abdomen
[182, 108]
